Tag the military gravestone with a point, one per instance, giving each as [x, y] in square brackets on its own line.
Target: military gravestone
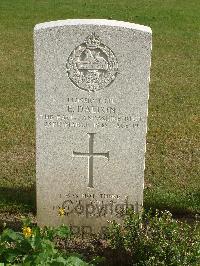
[92, 79]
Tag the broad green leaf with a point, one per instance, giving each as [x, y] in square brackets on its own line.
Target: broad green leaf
[75, 261]
[59, 261]
[11, 255]
[63, 231]
[9, 234]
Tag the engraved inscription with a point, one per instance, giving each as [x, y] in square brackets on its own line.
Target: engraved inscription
[92, 66]
[80, 120]
[114, 206]
[90, 156]
[90, 112]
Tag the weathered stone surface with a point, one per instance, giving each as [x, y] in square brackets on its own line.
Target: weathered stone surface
[92, 79]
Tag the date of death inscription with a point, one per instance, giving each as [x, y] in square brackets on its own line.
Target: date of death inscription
[88, 112]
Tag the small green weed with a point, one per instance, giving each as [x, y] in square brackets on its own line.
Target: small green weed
[156, 240]
[36, 246]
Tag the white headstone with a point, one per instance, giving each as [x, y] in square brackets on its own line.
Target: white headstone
[92, 82]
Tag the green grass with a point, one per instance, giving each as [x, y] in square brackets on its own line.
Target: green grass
[172, 159]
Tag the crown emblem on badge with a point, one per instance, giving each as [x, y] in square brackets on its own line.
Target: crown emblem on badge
[92, 66]
[92, 41]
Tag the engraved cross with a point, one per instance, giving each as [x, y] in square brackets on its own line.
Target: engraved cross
[90, 156]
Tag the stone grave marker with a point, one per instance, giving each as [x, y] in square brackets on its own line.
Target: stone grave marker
[92, 82]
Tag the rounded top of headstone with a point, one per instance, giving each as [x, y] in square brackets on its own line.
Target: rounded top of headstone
[98, 22]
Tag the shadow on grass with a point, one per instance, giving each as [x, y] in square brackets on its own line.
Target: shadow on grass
[14, 200]
[185, 204]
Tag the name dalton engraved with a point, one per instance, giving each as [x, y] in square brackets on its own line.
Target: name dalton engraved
[92, 66]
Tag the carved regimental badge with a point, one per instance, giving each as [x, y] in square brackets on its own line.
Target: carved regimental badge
[92, 66]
